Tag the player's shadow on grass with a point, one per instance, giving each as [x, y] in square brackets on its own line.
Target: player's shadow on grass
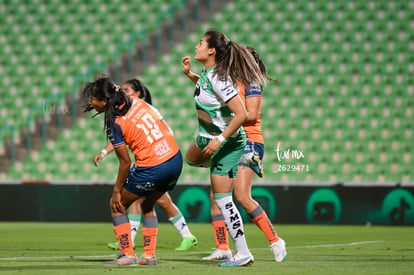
[94, 260]
[162, 261]
[187, 260]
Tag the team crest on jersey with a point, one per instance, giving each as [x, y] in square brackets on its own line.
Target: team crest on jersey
[205, 84]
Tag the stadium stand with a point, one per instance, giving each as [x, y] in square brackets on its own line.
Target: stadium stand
[46, 43]
[344, 99]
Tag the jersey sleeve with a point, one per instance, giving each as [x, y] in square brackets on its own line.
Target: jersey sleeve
[254, 90]
[156, 112]
[115, 136]
[223, 88]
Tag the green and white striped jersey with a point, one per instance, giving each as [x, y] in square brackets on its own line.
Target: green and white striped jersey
[210, 96]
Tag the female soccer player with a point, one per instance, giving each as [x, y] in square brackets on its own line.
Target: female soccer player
[134, 88]
[250, 164]
[220, 114]
[157, 167]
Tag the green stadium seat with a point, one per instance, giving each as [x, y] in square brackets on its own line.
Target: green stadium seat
[333, 61]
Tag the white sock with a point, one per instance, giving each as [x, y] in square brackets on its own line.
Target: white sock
[233, 221]
[179, 223]
[135, 221]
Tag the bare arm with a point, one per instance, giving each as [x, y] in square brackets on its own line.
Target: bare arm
[253, 107]
[108, 148]
[123, 170]
[240, 115]
[186, 62]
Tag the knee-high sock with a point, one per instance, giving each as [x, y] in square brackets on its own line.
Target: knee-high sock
[233, 221]
[221, 236]
[122, 230]
[135, 221]
[149, 235]
[181, 225]
[260, 218]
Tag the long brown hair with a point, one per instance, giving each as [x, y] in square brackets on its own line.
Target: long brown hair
[233, 60]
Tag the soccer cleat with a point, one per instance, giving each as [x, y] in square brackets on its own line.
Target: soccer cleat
[119, 254]
[187, 243]
[238, 260]
[219, 254]
[258, 168]
[115, 246]
[123, 260]
[147, 260]
[279, 250]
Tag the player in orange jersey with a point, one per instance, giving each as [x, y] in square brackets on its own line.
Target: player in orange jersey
[157, 166]
[134, 88]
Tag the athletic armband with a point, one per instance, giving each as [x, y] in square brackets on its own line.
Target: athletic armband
[221, 138]
[104, 152]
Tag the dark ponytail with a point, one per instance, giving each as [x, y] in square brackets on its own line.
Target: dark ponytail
[138, 86]
[118, 103]
[261, 64]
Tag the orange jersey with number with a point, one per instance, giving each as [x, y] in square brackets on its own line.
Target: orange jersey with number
[145, 132]
[253, 129]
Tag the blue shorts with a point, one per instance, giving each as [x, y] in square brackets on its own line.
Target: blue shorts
[253, 156]
[142, 181]
[252, 147]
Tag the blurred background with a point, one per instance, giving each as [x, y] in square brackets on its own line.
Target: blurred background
[342, 113]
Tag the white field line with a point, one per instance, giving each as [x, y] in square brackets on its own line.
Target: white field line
[335, 244]
[195, 252]
[57, 257]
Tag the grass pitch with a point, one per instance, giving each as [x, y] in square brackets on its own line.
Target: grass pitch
[80, 248]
